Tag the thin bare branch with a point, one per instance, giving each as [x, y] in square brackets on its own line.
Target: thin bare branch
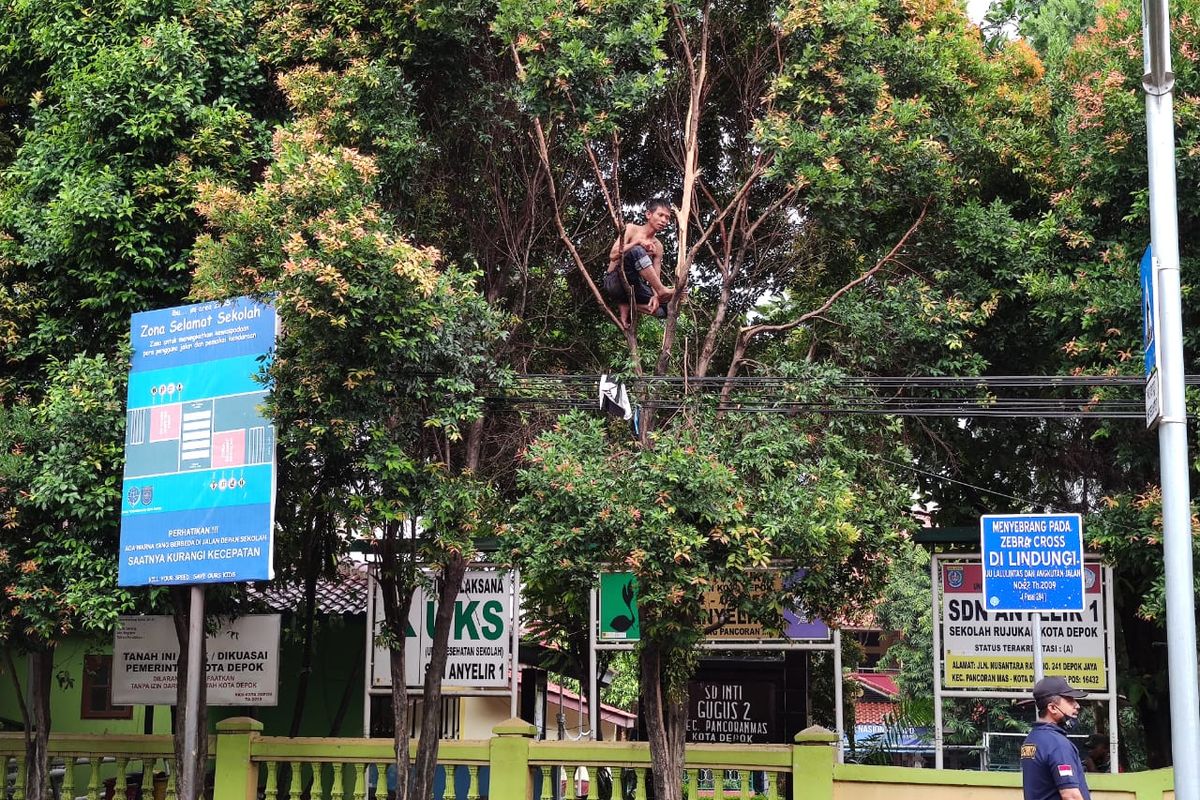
[746, 334]
[754, 330]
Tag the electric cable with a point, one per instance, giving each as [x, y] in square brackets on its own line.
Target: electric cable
[917, 395]
[934, 475]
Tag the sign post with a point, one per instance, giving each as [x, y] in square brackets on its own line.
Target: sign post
[479, 659]
[242, 666]
[1158, 81]
[616, 625]
[198, 493]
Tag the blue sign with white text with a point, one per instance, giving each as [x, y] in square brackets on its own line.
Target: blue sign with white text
[198, 499]
[1032, 562]
[1149, 310]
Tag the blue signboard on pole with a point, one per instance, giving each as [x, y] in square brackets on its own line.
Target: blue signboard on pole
[1150, 340]
[1032, 562]
[198, 498]
[1149, 326]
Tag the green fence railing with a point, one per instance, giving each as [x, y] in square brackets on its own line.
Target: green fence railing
[511, 765]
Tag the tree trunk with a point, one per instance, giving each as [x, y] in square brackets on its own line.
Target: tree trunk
[181, 600]
[400, 761]
[397, 599]
[37, 723]
[666, 722]
[311, 566]
[431, 718]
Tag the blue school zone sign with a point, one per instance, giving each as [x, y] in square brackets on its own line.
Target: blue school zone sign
[1149, 312]
[198, 494]
[1032, 562]
[1150, 339]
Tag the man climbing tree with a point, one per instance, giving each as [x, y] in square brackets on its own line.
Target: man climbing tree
[639, 253]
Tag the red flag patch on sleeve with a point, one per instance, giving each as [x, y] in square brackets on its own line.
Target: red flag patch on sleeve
[1065, 771]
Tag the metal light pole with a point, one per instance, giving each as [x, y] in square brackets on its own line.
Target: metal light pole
[1158, 83]
[189, 779]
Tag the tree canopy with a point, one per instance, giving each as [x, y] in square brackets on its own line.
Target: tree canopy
[428, 192]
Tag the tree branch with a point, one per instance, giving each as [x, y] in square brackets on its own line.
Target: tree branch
[746, 334]
[543, 149]
[16, 682]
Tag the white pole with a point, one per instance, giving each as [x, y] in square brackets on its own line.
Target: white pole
[1172, 430]
[189, 788]
[1035, 622]
[515, 657]
[936, 594]
[592, 682]
[838, 715]
[369, 671]
[1114, 739]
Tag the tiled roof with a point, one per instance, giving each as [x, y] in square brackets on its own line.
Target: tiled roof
[878, 683]
[345, 595]
[872, 713]
[560, 695]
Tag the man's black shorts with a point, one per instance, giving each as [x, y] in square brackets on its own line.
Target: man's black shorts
[636, 259]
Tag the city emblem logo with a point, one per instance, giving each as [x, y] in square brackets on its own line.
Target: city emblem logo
[955, 578]
[135, 494]
[147, 495]
[1089, 577]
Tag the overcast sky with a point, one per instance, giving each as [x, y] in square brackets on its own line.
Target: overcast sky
[976, 8]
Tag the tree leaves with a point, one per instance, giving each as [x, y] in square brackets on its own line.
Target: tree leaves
[712, 504]
[59, 499]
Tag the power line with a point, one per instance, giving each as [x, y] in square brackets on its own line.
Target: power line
[1025, 396]
[945, 479]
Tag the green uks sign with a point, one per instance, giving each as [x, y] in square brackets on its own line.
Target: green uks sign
[619, 621]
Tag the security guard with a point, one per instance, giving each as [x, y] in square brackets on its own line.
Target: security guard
[1050, 765]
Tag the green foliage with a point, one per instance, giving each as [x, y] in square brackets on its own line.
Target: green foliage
[368, 106]
[907, 607]
[1052, 25]
[1101, 206]
[590, 63]
[711, 505]
[1084, 299]
[623, 691]
[60, 493]
[880, 104]
[129, 107]
[380, 350]
[821, 685]
[880, 109]
[1128, 531]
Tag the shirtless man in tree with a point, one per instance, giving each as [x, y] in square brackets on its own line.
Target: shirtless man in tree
[640, 253]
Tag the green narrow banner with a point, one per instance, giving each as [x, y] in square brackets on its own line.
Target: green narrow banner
[619, 621]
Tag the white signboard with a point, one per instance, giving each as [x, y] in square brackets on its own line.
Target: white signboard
[480, 637]
[243, 661]
[993, 651]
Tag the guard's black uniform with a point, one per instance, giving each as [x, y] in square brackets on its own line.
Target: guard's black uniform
[1050, 762]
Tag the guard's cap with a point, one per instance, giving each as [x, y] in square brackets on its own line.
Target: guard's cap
[1049, 687]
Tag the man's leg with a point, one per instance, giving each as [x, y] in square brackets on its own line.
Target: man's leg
[636, 258]
[652, 277]
[646, 299]
[623, 309]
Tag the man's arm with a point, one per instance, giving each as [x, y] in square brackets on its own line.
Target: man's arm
[655, 249]
[623, 243]
[614, 255]
[1070, 793]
